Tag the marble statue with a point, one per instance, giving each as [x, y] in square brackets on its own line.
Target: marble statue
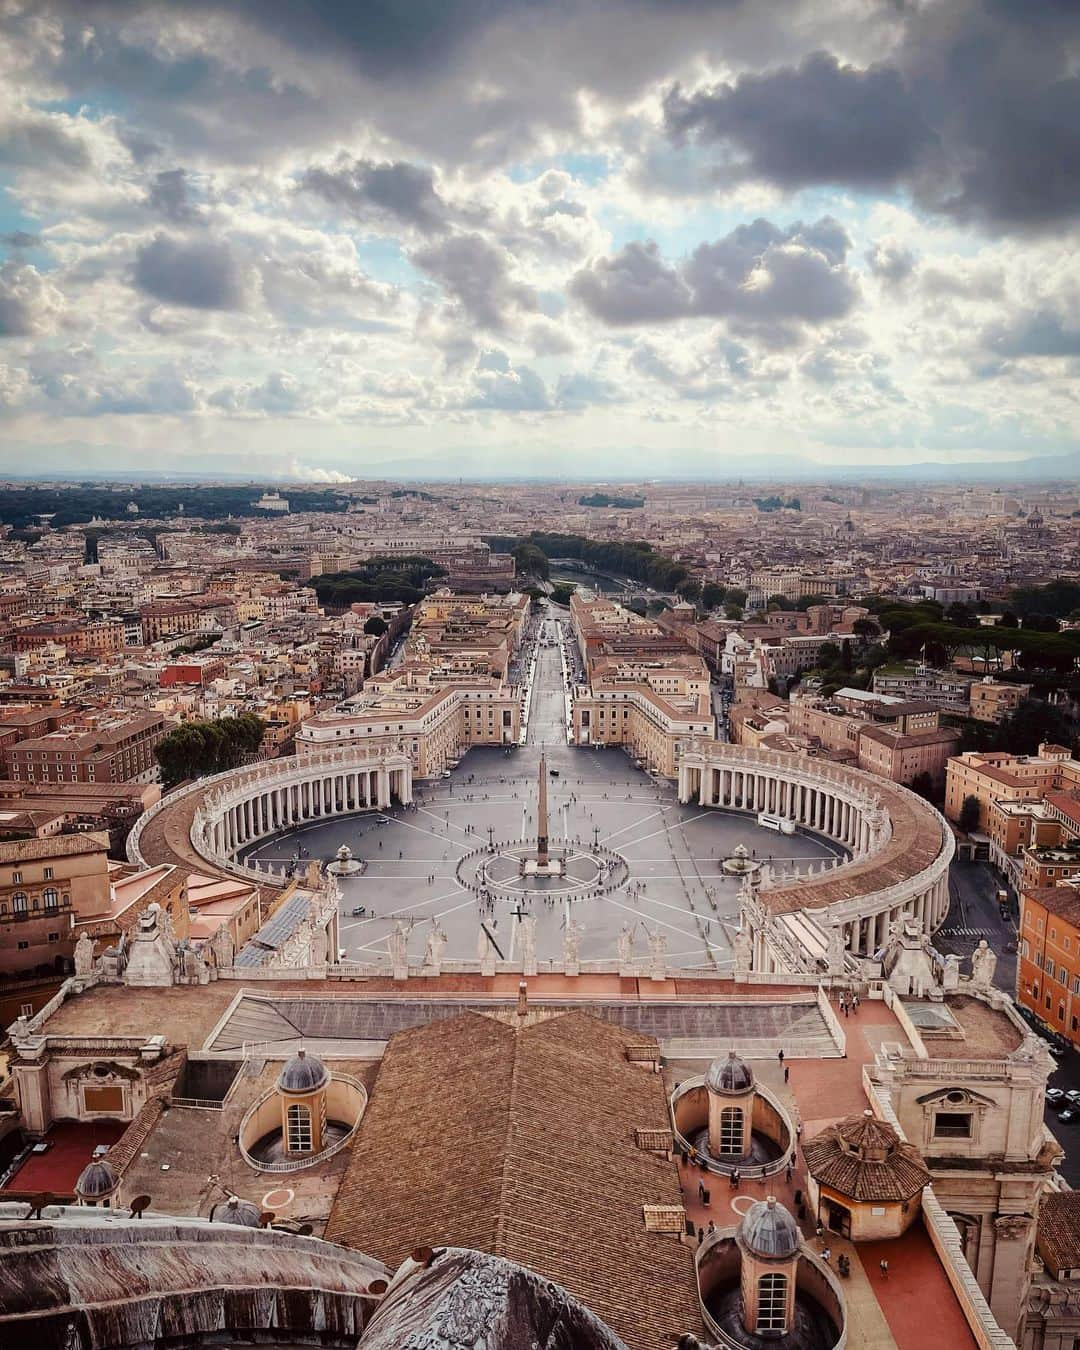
[983, 965]
[399, 950]
[436, 945]
[84, 955]
[527, 931]
[657, 955]
[836, 949]
[320, 946]
[572, 947]
[223, 947]
[744, 949]
[950, 979]
[485, 949]
[626, 947]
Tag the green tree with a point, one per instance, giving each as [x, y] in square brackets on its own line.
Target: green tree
[970, 810]
[733, 611]
[735, 595]
[865, 629]
[376, 626]
[1034, 723]
[712, 595]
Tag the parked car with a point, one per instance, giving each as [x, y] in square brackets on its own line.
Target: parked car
[1055, 1096]
[1073, 1097]
[1069, 1115]
[358, 911]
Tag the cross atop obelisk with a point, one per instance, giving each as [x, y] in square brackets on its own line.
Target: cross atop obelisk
[541, 818]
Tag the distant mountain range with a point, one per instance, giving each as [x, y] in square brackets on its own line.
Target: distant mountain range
[625, 465]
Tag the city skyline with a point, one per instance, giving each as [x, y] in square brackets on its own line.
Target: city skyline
[614, 241]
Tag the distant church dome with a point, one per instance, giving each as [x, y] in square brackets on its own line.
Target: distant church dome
[732, 1075]
[96, 1180]
[235, 1210]
[303, 1073]
[769, 1230]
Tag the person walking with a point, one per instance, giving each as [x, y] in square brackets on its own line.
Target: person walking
[787, 1073]
[883, 1265]
[780, 1057]
[826, 1255]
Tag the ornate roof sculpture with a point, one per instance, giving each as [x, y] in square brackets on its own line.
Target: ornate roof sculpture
[865, 1159]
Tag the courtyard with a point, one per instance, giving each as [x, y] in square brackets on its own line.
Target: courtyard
[638, 865]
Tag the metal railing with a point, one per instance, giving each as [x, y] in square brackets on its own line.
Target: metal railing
[747, 1171]
[309, 1159]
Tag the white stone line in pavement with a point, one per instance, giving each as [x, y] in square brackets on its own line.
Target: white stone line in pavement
[422, 810]
[610, 900]
[680, 909]
[608, 837]
[379, 942]
[403, 909]
[629, 843]
[420, 829]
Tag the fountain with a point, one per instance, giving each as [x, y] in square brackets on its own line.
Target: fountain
[740, 864]
[344, 864]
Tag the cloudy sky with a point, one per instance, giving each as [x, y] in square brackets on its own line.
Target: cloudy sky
[314, 237]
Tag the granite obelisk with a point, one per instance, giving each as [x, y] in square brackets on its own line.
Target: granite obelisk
[542, 819]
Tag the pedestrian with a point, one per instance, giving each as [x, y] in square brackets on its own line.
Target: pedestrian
[819, 1230]
[884, 1267]
[700, 1235]
[780, 1056]
[787, 1073]
[798, 1130]
[826, 1255]
[701, 1190]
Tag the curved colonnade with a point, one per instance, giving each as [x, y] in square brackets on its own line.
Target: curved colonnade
[900, 847]
[209, 822]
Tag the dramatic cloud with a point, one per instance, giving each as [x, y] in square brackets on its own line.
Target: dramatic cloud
[501, 387]
[29, 303]
[758, 276]
[890, 260]
[199, 273]
[478, 274]
[821, 122]
[401, 193]
[169, 197]
[480, 222]
[635, 286]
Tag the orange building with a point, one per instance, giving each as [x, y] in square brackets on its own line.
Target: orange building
[1048, 969]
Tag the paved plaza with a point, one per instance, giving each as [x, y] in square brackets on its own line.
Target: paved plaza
[668, 878]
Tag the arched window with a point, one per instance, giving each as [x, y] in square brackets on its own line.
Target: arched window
[51, 898]
[772, 1303]
[18, 902]
[298, 1122]
[731, 1130]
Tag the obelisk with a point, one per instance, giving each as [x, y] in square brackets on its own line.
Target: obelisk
[541, 819]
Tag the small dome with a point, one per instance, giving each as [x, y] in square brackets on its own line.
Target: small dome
[96, 1179]
[732, 1075]
[235, 1210]
[769, 1230]
[303, 1073]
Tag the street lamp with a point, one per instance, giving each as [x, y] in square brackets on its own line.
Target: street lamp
[491, 840]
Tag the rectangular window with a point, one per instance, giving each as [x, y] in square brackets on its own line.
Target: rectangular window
[952, 1125]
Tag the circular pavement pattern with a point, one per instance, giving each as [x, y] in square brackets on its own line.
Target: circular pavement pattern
[424, 863]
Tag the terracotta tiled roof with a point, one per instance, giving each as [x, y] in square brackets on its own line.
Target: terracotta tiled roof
[1058, 1233]
[1064, 901]
[863, 1157]
[521, 1143]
